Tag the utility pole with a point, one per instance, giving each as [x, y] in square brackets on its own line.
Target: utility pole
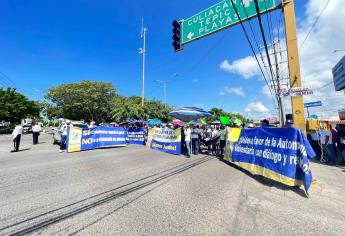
[143, 52]
[164, 82]
[279, 98]
[294, 66]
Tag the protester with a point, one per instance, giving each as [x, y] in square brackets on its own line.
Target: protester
[334, 140]
[265, 123]
[214, 141]
[92, 124]
[16, 136]
[341, 141]
[325, 137]
[195, 139]
[36, 129]
[187, 139]
[63, 131]
[222, 140]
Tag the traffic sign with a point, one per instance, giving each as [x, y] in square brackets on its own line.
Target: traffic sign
[221, 16]
[313, 104]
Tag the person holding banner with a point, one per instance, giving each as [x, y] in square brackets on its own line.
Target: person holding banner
[63, 131]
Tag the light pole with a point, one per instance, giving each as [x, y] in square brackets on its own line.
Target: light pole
[143, 52]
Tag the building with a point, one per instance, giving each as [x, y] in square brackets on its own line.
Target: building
[339, 75]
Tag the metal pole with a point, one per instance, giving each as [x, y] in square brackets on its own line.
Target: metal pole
[308, 111]
[294, 66]
[280, 102]
[143, 75]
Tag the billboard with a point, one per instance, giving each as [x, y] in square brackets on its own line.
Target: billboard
[339, 75]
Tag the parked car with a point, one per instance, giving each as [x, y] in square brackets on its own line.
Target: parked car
[57, 131]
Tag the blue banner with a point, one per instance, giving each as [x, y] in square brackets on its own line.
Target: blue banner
[85, 139]
[136, 135]
[281, 154]
[165, 140]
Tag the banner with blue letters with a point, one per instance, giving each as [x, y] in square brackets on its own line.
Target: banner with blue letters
[136, 135]
[165, 140]
[86, 139]
[280, 154]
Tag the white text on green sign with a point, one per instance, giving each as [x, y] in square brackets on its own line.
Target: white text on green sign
[220, 16]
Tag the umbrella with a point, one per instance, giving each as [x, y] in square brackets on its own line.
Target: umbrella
[189, 113]
[196, 122]
[225, 120]
[155, 122]
[216, 122]
[179, 123]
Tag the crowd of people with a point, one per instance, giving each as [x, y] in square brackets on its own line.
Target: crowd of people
[329, 143]
[211, 137]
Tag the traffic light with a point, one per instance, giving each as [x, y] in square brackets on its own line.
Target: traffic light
[177, 36]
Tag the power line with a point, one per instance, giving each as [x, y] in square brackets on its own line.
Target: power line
[251, 46]
[310, 30]
[265, 43]
[315, 22]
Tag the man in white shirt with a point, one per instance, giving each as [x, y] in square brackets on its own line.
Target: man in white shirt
[92, 125]
[325, 137]
[36, 129]
[63, 131]
[187, 139]
[16, 135]
[214, 141]
[222, 140]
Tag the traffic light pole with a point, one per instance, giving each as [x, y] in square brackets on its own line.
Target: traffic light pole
[294, 66]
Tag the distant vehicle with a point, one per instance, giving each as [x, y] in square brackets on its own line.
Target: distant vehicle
[5, 127]
[57, 131]
[27, 125]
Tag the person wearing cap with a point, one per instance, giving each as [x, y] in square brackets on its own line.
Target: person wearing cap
[265, 123]
[63, 131]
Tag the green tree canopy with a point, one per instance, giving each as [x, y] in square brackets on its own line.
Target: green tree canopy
[130, 107]
[85, 100]
[217, 113]
[15, 106]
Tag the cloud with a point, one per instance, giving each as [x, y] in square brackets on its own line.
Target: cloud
[236, 91]
[36, 90]
[256, 108]
[316, 57]
[246, 67]
[266, 91]
[195, 80]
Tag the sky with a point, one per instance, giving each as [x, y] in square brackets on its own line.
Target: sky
[46, 43]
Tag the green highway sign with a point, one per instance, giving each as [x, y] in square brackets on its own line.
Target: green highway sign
[220, 16]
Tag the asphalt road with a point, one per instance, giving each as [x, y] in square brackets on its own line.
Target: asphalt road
[136, 191]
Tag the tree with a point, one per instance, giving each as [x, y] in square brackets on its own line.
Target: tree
[130, 108]
[15, 106]
[218, 112]
[85, 100]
